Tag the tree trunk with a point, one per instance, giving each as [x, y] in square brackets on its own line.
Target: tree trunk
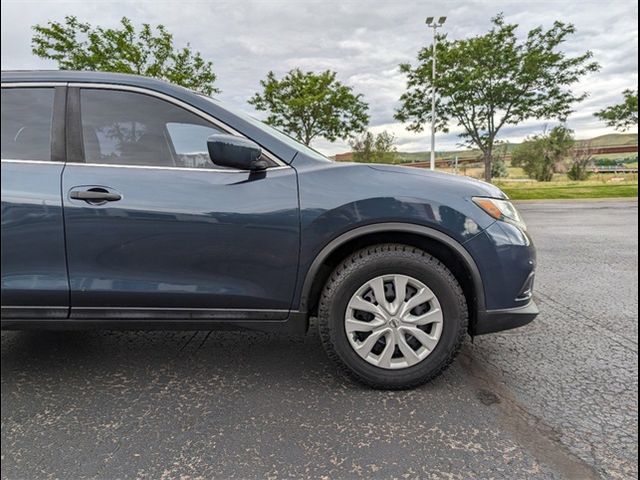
[488, 157]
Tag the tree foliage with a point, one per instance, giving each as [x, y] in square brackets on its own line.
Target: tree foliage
[308, 105]
[76, 45]
[494, 80]
[371, 148]
[542, 155]
[624, 115]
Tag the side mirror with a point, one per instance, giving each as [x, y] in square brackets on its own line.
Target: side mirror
[235, 152]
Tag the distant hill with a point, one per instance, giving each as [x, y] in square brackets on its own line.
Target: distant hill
[610, 140]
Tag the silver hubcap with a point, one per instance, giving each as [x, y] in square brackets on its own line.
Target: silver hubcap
[393, 321]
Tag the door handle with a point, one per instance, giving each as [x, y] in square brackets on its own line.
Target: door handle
[95, 195]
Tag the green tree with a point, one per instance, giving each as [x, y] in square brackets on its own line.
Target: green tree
[624, 115]
[362, 147]
[371, 148]
[76, 45]
[542, 155]
[494, 80]
[308, 105]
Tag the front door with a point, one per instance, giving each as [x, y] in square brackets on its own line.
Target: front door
[154, 228]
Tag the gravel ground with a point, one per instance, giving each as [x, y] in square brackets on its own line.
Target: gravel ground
[555, 399]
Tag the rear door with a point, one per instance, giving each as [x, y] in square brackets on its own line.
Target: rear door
[155, 229]
[34, 271]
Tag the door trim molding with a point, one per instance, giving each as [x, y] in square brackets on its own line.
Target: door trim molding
[176, 313]
[47, 162]
[158, 313]
[294, 322]
[34, 311]
[188, 169]
[10, 84]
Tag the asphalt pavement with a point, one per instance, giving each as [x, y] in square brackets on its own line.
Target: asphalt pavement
[555, 399]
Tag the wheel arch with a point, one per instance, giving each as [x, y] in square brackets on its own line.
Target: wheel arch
[446, 249]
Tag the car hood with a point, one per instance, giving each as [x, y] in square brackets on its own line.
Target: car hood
[472, 186]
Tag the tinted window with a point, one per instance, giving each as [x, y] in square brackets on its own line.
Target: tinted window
[128, 128]
[26, 123]
[188, 145]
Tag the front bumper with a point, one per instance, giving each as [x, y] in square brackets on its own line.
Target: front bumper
[491, 321]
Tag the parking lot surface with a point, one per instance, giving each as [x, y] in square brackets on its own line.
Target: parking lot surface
[555, 399]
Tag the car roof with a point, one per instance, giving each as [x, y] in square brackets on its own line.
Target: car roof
[235, 121]
[82, 77]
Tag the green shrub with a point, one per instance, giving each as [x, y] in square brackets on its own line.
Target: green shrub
[610, 162]
[499, 169]
[578, 171]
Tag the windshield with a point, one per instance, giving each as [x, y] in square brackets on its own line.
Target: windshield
[274, 132]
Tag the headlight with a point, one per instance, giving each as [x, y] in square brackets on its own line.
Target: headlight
[501, 210]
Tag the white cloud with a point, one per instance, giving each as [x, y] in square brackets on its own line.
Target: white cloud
[362, 40]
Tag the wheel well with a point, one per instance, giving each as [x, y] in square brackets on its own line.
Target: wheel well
[440, 250]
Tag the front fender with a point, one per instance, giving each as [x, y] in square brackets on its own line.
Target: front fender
[338, 200]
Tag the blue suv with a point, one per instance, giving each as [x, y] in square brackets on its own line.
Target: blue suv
[128, 202]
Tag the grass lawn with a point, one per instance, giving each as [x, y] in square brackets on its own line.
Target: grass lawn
[568, 190]
[519, 187]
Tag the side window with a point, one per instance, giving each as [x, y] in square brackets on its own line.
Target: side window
[27, 115]
[188, 146]
[126, 128]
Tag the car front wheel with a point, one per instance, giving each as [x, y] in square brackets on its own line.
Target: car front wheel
[392, 316]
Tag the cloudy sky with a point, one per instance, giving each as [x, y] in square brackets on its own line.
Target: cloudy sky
[364, 41]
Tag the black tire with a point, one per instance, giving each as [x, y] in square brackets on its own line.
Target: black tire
[375, 261]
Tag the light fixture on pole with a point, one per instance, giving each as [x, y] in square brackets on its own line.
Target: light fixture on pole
[431, 22]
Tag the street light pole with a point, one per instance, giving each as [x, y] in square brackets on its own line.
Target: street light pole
[433, 100]
[435, 25]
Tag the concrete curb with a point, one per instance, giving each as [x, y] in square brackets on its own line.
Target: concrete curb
[567, 200]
